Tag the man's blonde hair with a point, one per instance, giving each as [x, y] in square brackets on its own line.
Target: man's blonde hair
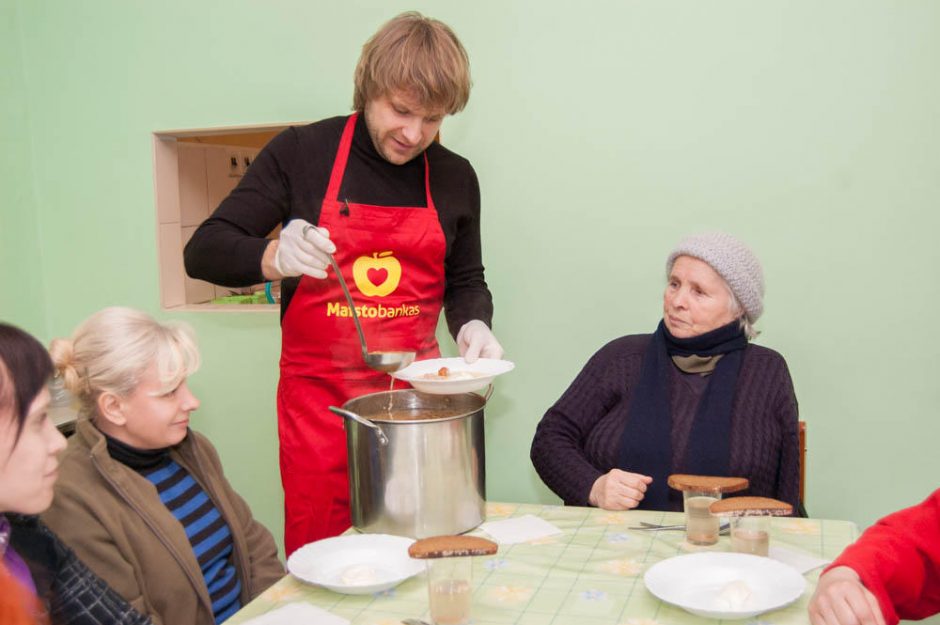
[418, 55]
[112, 349]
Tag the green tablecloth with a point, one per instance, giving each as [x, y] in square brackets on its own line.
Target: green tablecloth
[592, 574]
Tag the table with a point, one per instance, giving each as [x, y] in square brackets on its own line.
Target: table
[592, 574]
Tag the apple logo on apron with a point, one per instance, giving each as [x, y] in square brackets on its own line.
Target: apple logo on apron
[377, 275]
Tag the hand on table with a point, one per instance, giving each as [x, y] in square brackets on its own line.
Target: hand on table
[303, 249]
[619, 490]
[476, 340]
[842, 599]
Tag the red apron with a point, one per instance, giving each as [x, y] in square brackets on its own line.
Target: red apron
[393, 261]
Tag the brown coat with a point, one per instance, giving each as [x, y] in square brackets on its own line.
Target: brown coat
[114, 519]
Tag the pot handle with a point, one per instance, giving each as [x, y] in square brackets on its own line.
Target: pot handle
[488, 393]
[361, 421]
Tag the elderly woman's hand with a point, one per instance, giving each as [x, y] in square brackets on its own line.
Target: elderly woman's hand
[841, 599]
[619, 490]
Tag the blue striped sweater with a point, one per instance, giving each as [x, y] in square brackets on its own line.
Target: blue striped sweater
[208, 533]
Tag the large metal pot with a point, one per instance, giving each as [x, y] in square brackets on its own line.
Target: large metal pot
[416, 462]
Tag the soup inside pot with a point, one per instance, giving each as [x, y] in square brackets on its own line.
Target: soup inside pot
[415, 415]
[410, 405]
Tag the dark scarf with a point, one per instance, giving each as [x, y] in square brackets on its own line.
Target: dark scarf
[647, 438]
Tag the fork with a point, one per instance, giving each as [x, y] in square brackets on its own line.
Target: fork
[653, 526]
[723, 529]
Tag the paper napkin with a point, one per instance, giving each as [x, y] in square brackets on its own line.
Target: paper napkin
[298, 612]
[800, 560]
[519, 529]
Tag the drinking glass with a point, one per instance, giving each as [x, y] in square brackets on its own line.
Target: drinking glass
[751, 534]
[701, 527]
[450, 590]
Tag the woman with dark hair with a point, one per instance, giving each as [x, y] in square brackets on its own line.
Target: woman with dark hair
[37, 571]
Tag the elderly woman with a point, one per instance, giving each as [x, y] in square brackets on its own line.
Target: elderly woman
[41, 580]
[693, 397]
[142, 498]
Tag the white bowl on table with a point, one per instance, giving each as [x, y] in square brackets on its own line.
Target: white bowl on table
[357, 564]
[699, 583]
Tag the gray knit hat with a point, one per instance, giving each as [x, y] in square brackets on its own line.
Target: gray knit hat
[733, 261]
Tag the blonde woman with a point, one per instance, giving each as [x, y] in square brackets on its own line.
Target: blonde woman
[143, 498]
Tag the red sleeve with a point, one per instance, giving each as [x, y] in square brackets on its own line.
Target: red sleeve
[898, 560]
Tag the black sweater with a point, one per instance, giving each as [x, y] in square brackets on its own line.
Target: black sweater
[288, 180]
[579, 438]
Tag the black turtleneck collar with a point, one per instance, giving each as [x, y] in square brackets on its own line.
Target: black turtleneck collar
[363, 146]
[137, 459]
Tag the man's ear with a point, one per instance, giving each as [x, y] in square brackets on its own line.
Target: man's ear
[111, 408]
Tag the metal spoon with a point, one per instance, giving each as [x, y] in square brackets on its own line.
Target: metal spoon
[415, 621]
[380, 361]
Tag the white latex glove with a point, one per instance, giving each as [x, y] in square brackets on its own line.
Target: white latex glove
[303, 249]
[475, 340]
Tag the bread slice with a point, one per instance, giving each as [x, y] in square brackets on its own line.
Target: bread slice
[751, 506]
[680, 481]
[451, 547]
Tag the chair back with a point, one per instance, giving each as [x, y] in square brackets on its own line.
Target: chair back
[802, 463]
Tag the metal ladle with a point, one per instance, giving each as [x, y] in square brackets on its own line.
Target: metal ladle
[380, 361]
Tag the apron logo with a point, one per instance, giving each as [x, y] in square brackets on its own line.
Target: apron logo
[377, 275]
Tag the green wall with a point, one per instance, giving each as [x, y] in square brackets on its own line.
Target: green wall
[601, 134]
[21, 268]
